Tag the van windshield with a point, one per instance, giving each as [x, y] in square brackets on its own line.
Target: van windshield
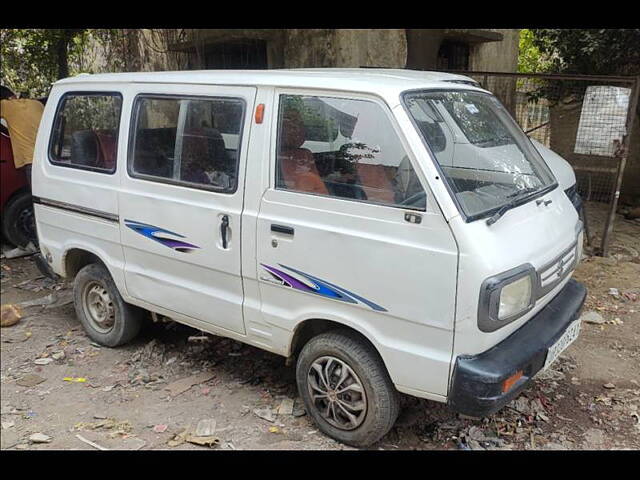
[484, 155]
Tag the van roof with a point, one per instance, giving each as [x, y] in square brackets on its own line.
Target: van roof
[385, 82]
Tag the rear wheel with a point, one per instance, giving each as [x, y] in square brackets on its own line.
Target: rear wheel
[18, 221]
[105, 316]
[346, 388]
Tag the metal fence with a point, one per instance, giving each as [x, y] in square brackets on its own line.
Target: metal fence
[586, 119]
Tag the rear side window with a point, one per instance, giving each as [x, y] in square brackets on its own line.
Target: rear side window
[343, 148]
[187, 141]
[85, 131]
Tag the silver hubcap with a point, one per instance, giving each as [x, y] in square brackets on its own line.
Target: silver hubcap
[98, 306]
[337, 393]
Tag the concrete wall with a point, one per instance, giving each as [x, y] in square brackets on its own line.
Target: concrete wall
[489, 49]
[309, 48]
[299, 48]
[423, 46]
[344, 48]
[499, 57]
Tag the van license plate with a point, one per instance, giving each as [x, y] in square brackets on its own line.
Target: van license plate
[567, 338]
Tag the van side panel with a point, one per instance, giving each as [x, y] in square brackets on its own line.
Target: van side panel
[369, 269]
[181, 234]
[76, 208]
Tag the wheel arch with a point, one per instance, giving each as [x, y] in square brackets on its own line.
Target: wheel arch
[75, 258]
[309, 328]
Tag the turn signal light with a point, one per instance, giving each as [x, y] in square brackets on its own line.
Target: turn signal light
[260, 113]
[511, 381]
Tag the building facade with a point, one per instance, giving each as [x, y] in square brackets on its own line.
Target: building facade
[419, 49]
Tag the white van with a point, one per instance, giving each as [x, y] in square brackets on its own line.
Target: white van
[392, 230]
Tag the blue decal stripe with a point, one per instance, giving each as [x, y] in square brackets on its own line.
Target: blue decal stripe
[321, 287]
[150, 232]
[374, 306]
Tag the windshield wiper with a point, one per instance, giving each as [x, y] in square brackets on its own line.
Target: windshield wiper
[516, 199]
[518, 193]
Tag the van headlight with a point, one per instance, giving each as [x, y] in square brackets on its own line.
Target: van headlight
[506, 297]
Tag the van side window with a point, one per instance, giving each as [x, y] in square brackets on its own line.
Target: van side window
[343, 148]
[85, 131]
[190, 141]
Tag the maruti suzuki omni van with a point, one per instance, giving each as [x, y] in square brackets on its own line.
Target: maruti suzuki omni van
[388, 230]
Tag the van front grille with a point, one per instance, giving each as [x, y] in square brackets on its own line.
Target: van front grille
[555, 271]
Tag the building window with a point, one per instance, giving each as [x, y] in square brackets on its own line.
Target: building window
[248, 54]
[453, 56]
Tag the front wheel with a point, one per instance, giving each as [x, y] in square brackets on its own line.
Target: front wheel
[346, 388]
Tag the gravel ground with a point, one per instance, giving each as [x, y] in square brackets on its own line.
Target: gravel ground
[92, 397]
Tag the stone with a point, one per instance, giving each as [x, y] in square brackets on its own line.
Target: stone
[9, 315]
[30, 380]
[592, 317]
[58, 355]
[39, 438]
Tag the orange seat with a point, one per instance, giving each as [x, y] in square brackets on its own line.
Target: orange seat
[375, 182]
[107, 149]
[297, 164]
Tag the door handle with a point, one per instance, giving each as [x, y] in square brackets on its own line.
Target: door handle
[224, 225]
[282, 229]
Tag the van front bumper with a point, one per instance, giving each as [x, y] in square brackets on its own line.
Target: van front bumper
[476, 387]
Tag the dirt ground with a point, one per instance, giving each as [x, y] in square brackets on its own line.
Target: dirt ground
[118, 398]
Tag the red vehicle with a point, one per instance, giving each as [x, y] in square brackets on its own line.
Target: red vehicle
[18, 221]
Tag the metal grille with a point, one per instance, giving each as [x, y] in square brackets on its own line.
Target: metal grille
[583, 118]
[553, 273]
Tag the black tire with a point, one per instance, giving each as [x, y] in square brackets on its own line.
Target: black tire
[123, 321]
[18, 221]
[382, 399]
